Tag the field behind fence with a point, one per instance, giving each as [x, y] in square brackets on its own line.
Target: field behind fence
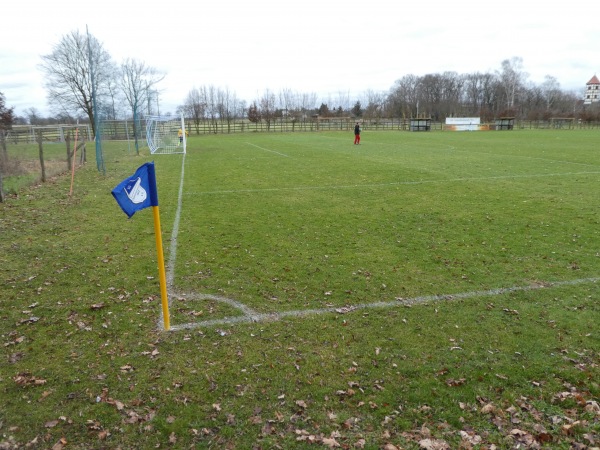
[26, 163]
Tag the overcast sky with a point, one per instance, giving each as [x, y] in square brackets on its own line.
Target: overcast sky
[323, 46]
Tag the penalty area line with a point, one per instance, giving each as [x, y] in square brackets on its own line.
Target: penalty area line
[267, 150]
[251, 316]
[332, 187]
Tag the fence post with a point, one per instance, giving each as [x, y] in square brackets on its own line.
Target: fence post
[42, 156]
[4, 155]
[68, 142]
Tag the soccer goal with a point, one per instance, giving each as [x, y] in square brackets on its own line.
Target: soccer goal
[166, 134]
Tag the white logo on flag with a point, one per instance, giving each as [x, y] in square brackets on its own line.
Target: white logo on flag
[136, 193]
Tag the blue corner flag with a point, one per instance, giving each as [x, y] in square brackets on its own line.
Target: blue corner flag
[138, 191]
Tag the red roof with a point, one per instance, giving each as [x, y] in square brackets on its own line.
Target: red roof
[594, 80]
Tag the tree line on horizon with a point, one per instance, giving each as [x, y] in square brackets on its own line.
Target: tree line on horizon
[130, 90]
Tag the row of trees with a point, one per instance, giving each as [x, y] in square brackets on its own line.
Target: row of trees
[79, 69]
[506, 92]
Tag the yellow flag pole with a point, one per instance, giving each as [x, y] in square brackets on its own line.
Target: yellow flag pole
[161, 269]
[131, 195]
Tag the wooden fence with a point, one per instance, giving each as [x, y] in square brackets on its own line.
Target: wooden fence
[28, 134]
[124, 130]
[334, 124]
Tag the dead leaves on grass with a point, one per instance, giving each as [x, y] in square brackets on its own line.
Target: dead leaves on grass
[26, 379]
[142, 417]
[521, 425]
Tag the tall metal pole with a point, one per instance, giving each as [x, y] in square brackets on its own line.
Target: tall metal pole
[99, 156]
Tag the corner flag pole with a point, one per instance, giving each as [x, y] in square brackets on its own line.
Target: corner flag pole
[133, 194]
[161, 269]
[159, 247]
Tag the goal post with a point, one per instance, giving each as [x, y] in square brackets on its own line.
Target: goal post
[166, 134]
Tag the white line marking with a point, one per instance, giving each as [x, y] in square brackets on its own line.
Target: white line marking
[398, 183]
[248, 312]
[267, 150]
[175, 232]
[250, 316]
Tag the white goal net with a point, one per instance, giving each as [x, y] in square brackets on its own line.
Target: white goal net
[166, 134]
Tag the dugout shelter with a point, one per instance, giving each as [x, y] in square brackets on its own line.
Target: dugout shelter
[417, 124]
[505, 123]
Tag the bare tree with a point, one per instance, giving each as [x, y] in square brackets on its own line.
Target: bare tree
[194, 108]
[404, 97]
[532, 103]
[430, 94]
[512, 78]
[375, 104]
[472, 93]
[210, 96]
[33, 116]
[113, 107]
[490, 96]
[221, 105]
[568, 102]
[267, 105]
[136, 80]
[307, 103]
[287, 100]
[241, 107]
[551, 91]
[229, 107]
[77, 68]
[295, 106]
[452, 85]
[344, 100]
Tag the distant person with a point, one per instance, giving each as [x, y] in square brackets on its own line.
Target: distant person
[356, 134]
[180, 134]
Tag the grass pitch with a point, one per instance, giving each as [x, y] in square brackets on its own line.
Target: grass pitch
[299, 221]
[473, 257]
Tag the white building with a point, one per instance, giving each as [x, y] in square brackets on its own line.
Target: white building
[592, 91]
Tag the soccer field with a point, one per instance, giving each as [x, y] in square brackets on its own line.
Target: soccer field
[304, 223]
[420, 290]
